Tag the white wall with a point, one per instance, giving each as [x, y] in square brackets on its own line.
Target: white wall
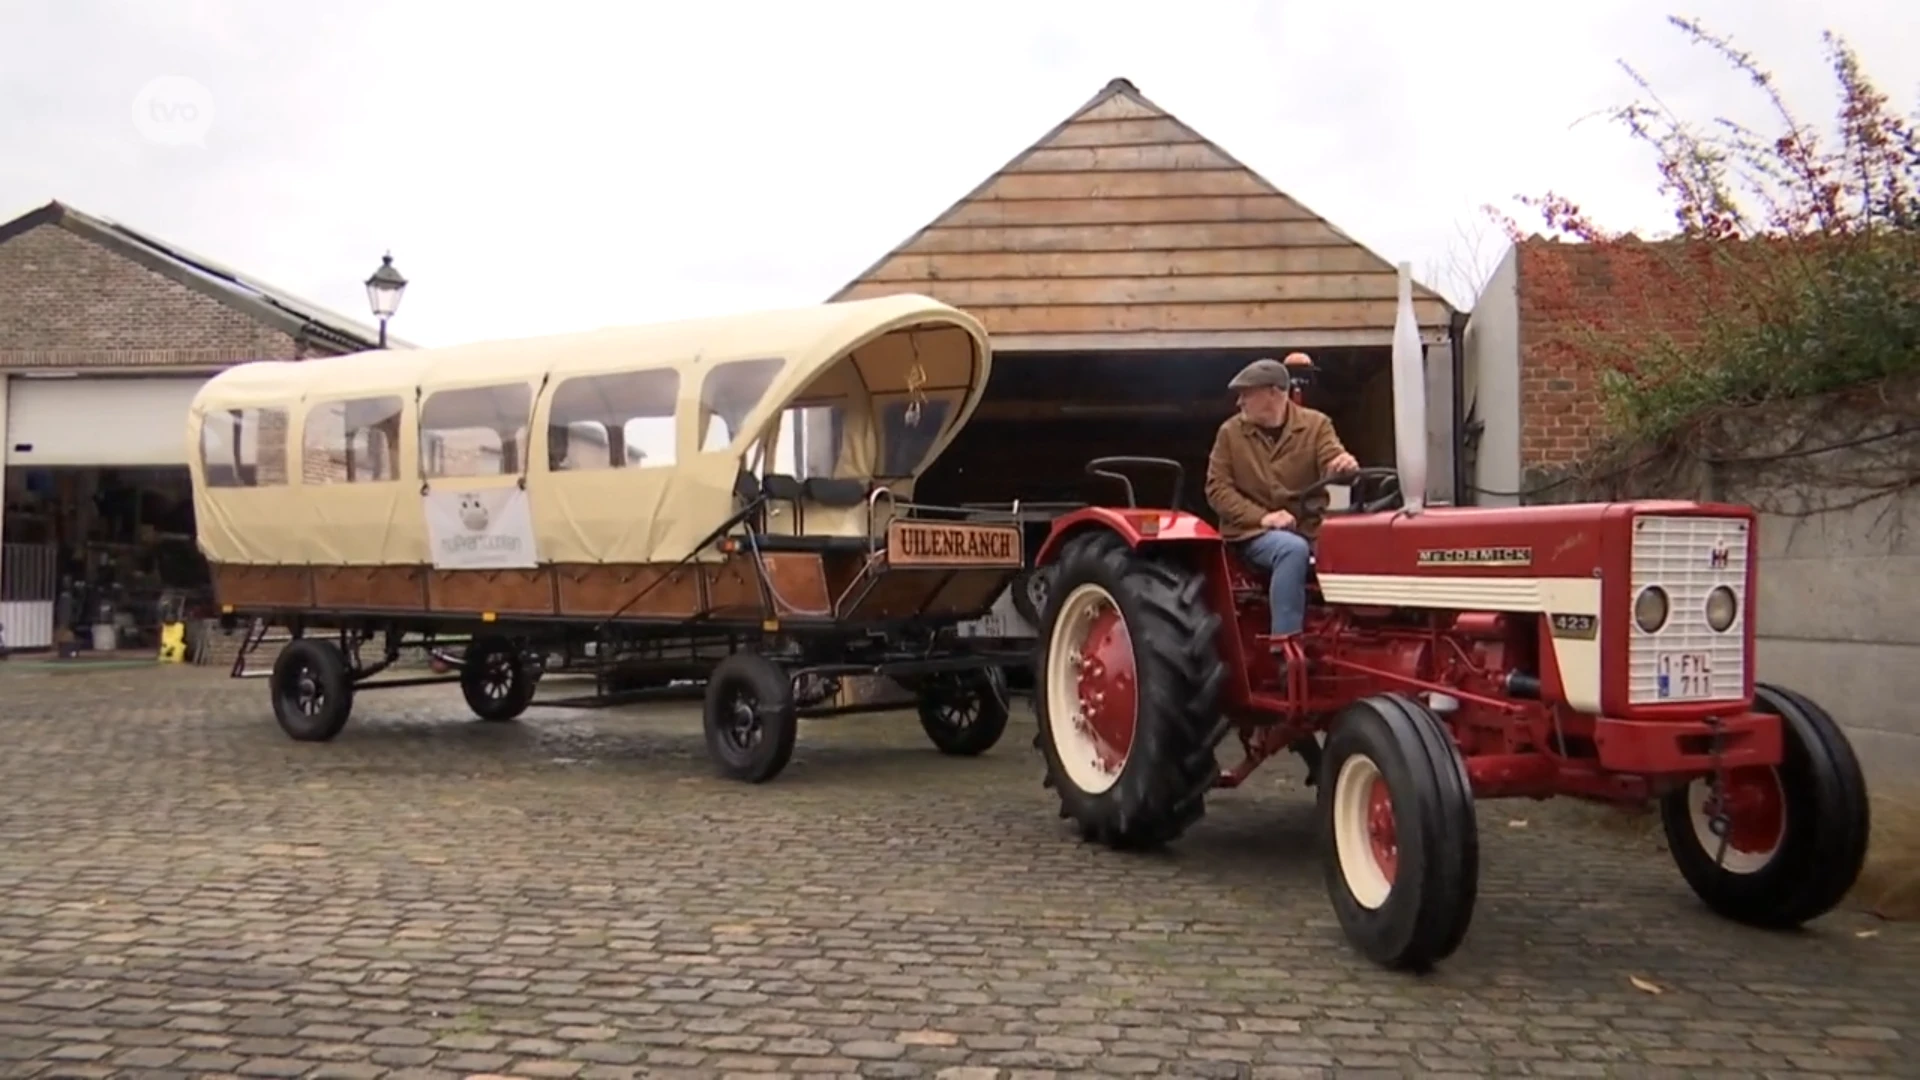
[1493, 383]
[100, 420]
[1440, 434]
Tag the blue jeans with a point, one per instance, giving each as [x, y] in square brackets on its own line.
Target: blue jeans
[1283, 555]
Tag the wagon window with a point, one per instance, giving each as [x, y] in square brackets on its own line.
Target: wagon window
[904, 446]
[244, 448]
[613, 421]
[352, 442]
[809, 443]
[728, 393]
[475, 430]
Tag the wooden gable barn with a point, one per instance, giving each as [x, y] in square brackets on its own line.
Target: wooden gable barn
[1126, 267]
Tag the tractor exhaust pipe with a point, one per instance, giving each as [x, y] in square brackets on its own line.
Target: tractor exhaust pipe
[1409, 400]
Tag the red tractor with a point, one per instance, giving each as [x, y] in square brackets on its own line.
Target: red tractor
[1603, 651]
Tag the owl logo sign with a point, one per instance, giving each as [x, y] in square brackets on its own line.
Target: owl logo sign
[473, 513]
[488, 529]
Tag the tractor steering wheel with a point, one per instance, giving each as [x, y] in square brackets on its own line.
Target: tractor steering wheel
[1384, 482]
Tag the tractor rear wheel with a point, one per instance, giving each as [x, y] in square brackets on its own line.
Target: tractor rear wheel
[1128, 682]
[1402, 857]
[1796, 835]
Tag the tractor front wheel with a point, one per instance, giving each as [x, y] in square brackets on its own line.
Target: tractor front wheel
[1402, 856]
[1128, 685]
[1795, 836]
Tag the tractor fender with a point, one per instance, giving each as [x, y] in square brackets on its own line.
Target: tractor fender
[1139, 528]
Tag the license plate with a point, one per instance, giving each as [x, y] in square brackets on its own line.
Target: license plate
[1683, 676]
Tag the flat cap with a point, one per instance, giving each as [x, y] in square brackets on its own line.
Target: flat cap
[1265, 372]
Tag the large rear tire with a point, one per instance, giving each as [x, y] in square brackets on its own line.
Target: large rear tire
[312, 690]
[1402, 844]
[1797, 834]
[749, 719]
[1127, 683]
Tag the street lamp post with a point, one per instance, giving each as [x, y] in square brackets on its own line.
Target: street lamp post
[383, 293]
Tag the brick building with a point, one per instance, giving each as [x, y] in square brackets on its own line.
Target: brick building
[105, 334]
[1530, 376]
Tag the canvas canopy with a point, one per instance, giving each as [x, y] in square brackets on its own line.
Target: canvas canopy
[616, 445]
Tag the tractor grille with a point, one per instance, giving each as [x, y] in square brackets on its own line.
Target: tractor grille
[1686, 660]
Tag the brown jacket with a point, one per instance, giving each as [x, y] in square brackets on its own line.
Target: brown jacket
[1252, 473]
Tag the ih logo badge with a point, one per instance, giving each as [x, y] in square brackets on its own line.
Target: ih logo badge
[1719, 557]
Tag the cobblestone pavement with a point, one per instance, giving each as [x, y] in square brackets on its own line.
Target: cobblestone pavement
[184, 891]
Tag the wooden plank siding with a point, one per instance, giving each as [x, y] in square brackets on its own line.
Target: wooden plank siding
[1123, 228]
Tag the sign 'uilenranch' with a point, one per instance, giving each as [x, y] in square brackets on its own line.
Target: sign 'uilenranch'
[946, 544]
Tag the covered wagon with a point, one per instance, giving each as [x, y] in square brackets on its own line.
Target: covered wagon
[727, 500]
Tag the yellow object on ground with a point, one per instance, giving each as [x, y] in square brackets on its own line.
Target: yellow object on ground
[173, 643]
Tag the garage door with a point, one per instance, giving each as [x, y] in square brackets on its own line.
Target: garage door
[99, 421]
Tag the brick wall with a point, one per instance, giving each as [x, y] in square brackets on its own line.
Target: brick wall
[66, 301]
[1568, 292]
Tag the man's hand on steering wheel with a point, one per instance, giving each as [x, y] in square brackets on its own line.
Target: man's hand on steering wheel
[1343, 465]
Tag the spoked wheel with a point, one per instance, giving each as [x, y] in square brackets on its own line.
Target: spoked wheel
[312, 689]
[1030, 593]
[1795, 837]
[1402, 857]
[1129, 680]
[964, 713]
[749, 720]
[496, 679]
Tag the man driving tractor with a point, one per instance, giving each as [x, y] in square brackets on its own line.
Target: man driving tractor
[1272, 448]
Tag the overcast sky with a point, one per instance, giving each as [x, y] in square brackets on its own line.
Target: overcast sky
[559, 165]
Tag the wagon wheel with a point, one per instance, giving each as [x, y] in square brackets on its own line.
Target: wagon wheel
[496, 679]
[1030, 588]
[1402, 846]
[312, 690]
[964, 713]
[1127, 680]
[749, 717]
[1795, 836]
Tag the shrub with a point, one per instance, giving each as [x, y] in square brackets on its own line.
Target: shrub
[1792, 269]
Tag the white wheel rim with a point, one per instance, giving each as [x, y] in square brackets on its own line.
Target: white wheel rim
[1354, 831]
[1741, 855]
[1089, 763]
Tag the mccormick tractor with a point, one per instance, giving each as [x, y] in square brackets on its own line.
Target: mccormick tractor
[1600, 650]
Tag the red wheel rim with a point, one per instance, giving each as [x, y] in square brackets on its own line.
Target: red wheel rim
[1105, 683]
[1381, 836]
[1756, 809]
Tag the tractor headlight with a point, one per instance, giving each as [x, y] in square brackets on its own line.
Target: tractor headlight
[1650, 608]
[1722, 607]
